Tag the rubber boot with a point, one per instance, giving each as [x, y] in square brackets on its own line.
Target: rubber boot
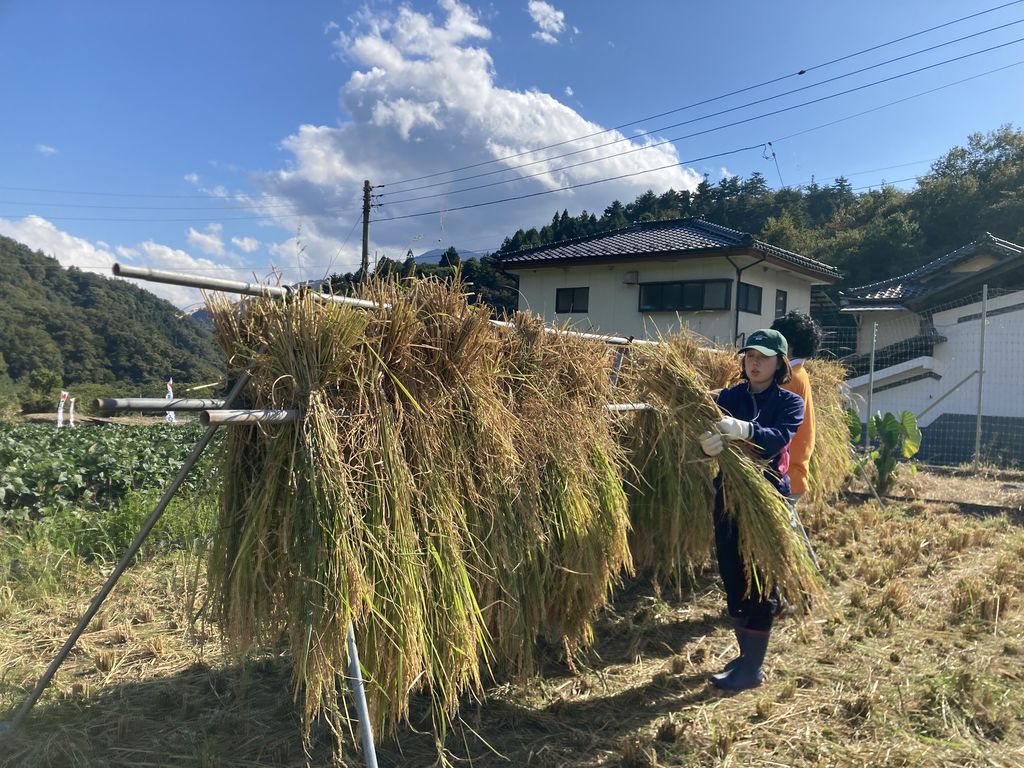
[740, 623]
[747, 673]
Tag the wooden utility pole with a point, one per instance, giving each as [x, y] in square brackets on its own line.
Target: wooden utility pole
[366, 229]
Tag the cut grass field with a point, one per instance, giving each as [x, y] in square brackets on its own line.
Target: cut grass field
[918, 661]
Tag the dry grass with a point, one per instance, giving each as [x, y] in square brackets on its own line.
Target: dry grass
[921, 666]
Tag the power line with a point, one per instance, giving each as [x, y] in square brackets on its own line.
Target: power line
[566, 141]
[885, 183]
[710, 100]
[630, 151]
[574, 186]
[625, 152]
[191, 219]
[900, 101]
[698, 133]
[726, 111]
[256, 206]
[742, 122]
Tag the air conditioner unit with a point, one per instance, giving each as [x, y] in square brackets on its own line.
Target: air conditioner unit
[631, 278]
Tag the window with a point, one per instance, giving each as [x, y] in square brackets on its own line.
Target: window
[688, 295]
[780, 303]
[569, 300]
[748, 298]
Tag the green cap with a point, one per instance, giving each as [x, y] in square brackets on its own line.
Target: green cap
[767, 342]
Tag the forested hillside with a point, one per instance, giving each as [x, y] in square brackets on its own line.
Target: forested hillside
[66, 327]
[869, 235]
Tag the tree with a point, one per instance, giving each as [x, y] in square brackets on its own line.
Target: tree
[43, 381]
[450, 258]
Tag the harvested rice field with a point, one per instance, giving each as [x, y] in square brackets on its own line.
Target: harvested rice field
[918, 660]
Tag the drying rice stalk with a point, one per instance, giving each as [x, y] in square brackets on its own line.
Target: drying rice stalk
[830, 465]
[451, 488]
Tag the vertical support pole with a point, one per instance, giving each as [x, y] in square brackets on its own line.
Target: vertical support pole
[871, 387]
[355, 676]
[981, 375]
[365, 263]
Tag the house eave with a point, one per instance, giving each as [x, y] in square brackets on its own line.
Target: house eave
[816, 277]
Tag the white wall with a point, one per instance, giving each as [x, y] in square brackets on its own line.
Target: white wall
[893, 326]
[614, 306]
[1003, 391]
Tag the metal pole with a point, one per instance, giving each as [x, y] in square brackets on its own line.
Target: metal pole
[949, 392]
[355, 676]
[624, 407]
[271, 291]
[211, 418]
[230, 286]
[981, 375]
[871, 387]
[126, 560]
[156, 404]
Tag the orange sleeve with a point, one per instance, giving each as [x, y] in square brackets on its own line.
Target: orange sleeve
[802, 446]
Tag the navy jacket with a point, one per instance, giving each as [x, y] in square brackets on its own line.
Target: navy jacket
[776, 415]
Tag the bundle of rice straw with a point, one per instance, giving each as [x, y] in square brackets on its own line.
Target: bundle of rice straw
[670, 484]
[448, 483]
[831, 460]
[571, 506]
[672, 503]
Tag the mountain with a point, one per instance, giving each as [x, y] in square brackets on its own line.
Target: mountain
[434, 256]
[88, 329]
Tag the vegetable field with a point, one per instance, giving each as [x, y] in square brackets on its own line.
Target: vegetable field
[44, 470]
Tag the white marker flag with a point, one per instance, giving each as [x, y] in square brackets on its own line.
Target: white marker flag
[71, 412]
[60, 408]
[170, 396]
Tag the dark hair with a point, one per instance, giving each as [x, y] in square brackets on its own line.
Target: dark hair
[783, 373]
[803, 334]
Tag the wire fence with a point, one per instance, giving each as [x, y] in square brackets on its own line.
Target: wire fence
[958, 367]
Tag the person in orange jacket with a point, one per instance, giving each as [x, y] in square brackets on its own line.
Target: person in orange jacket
[803, 336]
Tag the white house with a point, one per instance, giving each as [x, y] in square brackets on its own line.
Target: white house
[651, 277]
[928, 350]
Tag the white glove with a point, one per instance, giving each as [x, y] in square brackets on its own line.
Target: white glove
[711, 443]
[735, 429]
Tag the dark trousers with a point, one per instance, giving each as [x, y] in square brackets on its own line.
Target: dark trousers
[755, 610]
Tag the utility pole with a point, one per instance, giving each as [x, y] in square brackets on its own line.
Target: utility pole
[366, 229]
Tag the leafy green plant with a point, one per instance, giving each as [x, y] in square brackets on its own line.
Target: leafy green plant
[896, 438]
[45, 470]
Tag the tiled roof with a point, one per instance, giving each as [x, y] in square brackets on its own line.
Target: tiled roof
[932, 276]
[674, 236]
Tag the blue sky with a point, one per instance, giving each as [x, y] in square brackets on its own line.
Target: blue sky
[231, 138]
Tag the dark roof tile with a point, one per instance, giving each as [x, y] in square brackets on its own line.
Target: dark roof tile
[659, 237]
[916, 283]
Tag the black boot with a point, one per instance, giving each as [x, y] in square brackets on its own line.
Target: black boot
[740, 624]
[747, 673]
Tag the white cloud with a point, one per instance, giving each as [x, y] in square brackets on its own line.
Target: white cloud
[569, 92]
[549, 20]
[69, 250]
[245, 244]
[192, 178]
[209, 241]
[46, 150]
[423, 97]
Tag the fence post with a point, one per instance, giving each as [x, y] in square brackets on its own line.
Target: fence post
[981, 375]
[871, 387]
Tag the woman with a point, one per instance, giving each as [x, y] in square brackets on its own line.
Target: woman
[760, 412]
